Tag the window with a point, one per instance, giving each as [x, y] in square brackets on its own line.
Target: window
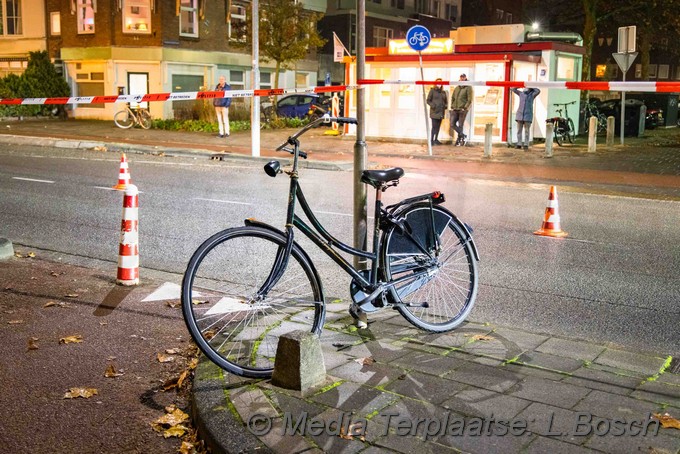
[266, 80]
[10, 17]
[381, 36]
[352, 33]
[91, 89]
[236, 80]
[565, 68]
[237, 23]
[451, 12]
[85, 12]
[508, 18]
[137, 16]
[399, 4]
[663, 71]
[188, 18]
[652, 71]
[500, 14]
[55, 23]
[301, 80]
[435, 8]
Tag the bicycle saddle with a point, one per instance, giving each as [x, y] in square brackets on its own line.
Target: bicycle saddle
[377, 177]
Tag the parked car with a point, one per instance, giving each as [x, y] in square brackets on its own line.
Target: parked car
[301, 105]
[612, 107]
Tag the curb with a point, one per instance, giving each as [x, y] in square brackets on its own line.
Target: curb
[166, 151]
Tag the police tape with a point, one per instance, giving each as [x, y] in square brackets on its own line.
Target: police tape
[654, 87]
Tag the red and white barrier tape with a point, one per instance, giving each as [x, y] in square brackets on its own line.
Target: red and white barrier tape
[658, 87]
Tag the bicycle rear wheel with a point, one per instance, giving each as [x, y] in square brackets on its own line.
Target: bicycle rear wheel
[145, 119]
[436, 294]
[570, 132]
[124, 119]
[232, 321]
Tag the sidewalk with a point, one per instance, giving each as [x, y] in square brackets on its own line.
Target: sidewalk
[394, 388]
[649, 162]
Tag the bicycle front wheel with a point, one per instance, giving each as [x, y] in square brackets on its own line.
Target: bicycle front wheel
[124, 119]
[436, 292]
[145, 119]
[232, 320]
[570, 132]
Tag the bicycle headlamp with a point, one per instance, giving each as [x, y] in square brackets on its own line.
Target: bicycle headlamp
[272, 168]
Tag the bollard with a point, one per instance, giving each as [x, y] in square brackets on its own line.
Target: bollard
[641, 124]
[299, 361]
[611, 126]
[549, 135]
[592, 134]
[488, 130]
[128, 250]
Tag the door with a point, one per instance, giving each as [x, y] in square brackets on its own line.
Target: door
[138, 84]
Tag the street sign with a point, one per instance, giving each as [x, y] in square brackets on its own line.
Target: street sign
[625, 60]
[418, 37]
[627, 38]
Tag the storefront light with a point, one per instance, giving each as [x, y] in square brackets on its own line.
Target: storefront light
[436, 46]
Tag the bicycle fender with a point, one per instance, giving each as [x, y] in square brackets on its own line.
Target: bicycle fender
[467, 230]
[252, 222]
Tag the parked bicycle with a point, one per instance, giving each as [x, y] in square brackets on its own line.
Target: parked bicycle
[591, 110]
[246, 286]
[129, 117]
[563, 127]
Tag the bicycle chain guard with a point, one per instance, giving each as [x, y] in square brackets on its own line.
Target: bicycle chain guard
[358, 295]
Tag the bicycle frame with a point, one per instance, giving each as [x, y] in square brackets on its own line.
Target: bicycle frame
[325, 241]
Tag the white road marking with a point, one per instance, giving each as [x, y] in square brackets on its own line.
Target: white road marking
[167, 291]
[33, 179]
[228, 305]
[222, 201]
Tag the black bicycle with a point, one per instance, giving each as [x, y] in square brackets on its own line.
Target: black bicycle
[563, 127]
[246, 286]
[591, 110]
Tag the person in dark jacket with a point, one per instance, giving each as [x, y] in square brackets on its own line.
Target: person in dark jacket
[461, 100]
[525, 114]
[436, 99]
[222, 108]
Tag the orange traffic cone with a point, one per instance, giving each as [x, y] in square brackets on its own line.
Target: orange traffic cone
[123, 174]
[551, 220]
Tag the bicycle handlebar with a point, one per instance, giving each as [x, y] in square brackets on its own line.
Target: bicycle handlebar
[565, 104]
[292, 140]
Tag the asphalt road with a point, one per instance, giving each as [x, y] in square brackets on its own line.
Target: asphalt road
[614, 279]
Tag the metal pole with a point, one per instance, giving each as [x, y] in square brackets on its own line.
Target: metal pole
[427, 117]
[255, 82]
[360, 153]
[623, 103]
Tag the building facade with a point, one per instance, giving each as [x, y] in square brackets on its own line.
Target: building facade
[22, 30]
[111, 47]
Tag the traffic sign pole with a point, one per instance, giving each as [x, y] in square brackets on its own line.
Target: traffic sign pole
[418, 38]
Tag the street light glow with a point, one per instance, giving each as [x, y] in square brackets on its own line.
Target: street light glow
[535, 26]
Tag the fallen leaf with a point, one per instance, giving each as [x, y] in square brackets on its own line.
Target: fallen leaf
[17, 254]
[667, 421]
[187, 448]
[172, 351]
[76, 339]
[481, 337]
[54, 274]
[173, 304]
[196, 302]
[175, 382]
[111, 372]
[103, 323]
[170, 419]
[209, 334]
[111, 358]
[32, 345]
[85, 393]
[71, 295]
[349, 436]
[193, 363]
[365, 361]
[31, 254]
[59, 304]
[165, 358]
[175, 431]
[15, 322]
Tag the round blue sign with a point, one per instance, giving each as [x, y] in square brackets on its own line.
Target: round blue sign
[418, 37]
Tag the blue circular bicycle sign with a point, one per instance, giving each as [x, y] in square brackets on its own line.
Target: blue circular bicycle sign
[418, 37]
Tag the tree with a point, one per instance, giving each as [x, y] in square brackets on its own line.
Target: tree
[287, 33]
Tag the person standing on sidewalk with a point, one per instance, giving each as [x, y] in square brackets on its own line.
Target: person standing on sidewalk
[437, 100]
[222, 108]
[525, 114]
[461, 99]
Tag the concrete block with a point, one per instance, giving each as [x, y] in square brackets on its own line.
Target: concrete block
[6, 249]
[299, 361]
